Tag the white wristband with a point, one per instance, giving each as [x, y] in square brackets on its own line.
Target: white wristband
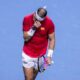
[31, 32]
[50, 52]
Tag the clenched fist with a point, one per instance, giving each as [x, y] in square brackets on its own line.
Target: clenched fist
[37, 24]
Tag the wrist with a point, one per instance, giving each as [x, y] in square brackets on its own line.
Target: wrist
[34, 28]
[31, 31]
[50, 53]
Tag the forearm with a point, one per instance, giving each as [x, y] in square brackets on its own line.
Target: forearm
[51, 47]
[29, 34]
[51, 44]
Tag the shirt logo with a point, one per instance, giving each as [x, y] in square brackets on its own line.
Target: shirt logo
[42, 28]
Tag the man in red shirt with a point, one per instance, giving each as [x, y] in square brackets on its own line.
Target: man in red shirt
[39, 38]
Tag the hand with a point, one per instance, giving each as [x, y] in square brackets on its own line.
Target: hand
[37, 24]
[49, 60]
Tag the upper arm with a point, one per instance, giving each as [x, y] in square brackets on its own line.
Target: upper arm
[26, 27]
[51, 30]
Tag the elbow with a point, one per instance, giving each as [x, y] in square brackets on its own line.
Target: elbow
[26, 38]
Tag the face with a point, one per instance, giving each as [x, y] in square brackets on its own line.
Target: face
[40, 15]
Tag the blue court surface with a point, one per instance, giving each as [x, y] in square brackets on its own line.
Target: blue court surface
[66, 16]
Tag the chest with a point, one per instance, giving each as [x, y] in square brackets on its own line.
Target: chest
[42, 31]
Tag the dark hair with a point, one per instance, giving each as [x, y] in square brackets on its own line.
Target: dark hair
[44, 10]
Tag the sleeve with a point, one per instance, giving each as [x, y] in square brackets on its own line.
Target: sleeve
[51, 27]
[26, 26]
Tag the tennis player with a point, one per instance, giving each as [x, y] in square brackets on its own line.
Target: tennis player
[39, 40]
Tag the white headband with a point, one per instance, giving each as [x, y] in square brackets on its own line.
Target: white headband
[38, 17]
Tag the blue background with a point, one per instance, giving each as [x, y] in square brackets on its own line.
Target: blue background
[66, 16]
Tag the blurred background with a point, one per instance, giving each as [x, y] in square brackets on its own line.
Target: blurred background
[66, 17]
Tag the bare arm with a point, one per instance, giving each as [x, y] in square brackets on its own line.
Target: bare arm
[28, 34]
[51, 41]
[51, 47]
